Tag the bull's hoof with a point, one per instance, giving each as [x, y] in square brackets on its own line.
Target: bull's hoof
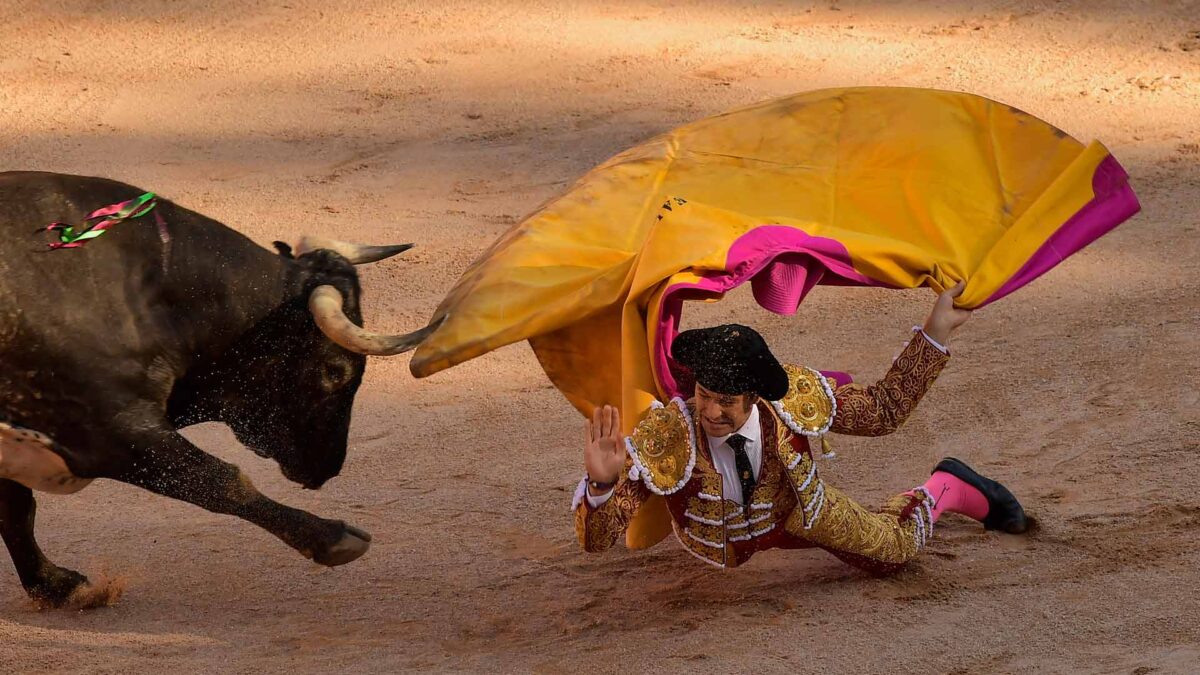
[352, 544]
[55, 587]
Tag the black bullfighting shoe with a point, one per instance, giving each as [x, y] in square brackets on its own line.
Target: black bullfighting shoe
[1004, 511]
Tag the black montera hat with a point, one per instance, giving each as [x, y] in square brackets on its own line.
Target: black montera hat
[731, 359]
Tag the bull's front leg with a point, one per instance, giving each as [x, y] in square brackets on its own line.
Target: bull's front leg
[168, 464]
[44, 581]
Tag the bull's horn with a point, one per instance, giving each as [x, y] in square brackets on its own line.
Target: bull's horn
[325, 303]
[357, 254]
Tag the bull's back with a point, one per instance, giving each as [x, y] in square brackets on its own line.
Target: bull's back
[67, 289]
[31, 200]
[65, 315]
[110, 306]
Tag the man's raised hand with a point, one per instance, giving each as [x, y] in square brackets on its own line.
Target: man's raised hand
[604, 454]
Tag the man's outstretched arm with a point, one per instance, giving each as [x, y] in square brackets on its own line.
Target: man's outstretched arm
[883, 407]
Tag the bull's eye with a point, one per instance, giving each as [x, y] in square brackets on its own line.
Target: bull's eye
[334, 376]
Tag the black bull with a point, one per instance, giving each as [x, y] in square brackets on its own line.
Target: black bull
[107, 350]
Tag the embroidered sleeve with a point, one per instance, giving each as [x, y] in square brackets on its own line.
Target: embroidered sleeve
[598, 529]
[882, 407]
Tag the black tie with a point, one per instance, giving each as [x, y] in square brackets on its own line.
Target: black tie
[742, 460]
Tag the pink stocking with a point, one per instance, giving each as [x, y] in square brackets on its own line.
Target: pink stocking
[953, 495]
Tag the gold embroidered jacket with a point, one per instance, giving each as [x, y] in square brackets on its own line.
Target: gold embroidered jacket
[668, 455]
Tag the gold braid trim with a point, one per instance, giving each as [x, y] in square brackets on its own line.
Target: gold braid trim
[846, 526]
[809, 406]
[661, 456]
[663, 447]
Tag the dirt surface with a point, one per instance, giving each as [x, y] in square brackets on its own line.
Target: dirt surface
[368, 120]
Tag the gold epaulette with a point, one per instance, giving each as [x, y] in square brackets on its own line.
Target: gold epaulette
[663, 447]
[809, 405]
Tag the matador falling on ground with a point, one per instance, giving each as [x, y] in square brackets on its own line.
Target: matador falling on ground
[875, 187]
[735, 466]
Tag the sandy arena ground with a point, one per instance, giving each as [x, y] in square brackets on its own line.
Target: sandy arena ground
[366, 120]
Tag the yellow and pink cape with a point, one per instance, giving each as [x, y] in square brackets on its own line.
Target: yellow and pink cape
[887, 187]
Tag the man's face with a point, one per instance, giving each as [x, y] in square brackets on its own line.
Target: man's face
[722, 414]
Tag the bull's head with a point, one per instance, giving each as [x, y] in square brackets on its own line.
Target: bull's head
[328, 307]
[287, 387]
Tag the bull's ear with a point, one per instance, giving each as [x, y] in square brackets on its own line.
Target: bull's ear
[284, 249]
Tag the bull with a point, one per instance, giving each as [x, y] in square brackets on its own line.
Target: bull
[108, 350]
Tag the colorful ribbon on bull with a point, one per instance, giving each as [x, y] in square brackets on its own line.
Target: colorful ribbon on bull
[101, 220]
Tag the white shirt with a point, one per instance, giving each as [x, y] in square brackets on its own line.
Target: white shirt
[725, 462]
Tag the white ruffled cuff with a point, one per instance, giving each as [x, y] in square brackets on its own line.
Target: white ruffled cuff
[941, 347]
[581, 493]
